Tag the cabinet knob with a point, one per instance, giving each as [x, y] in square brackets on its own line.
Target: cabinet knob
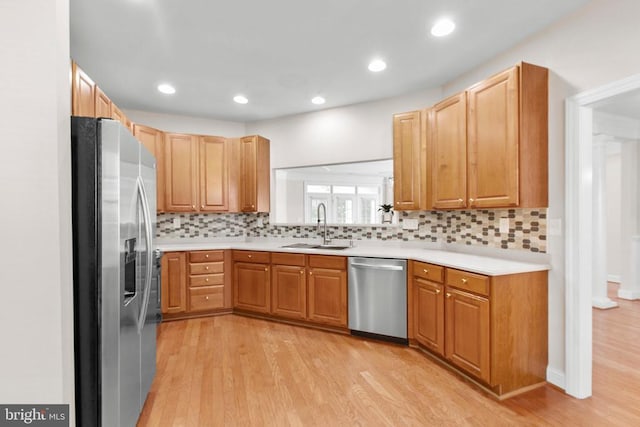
[207, 297]
[193, 206]
[460, 200]
[253, 206]
[470, 200]
[438, 291]
[249, 256]
[206, 280]
[425, 271]
[206, 268]
[201, 206]
[206, 256]
[311, 273]
[448, 295]
[464, 280]
[266, 269]
[301, 271]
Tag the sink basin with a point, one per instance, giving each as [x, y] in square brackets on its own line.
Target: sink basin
[315, 246]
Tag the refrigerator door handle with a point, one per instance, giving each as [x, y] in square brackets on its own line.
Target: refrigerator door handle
[149, 270]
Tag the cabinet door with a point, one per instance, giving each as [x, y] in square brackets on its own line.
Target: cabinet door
[248, 174]
[447, 153]
[428, 300]
[493, 129]
[407, 154]
[328, 296]
[289, 291]
[83, 93]
[251, 287]
[467, 338]
[103, 104]
[117, 114]
[181, 174]
[214, 174]
[153, 140]
[174, 285]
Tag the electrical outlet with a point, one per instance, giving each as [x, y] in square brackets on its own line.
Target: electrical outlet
[504, 225]
[176, 222]
[409, 224]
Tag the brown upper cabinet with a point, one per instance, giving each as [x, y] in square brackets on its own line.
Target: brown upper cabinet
[407, 160]
[487, 147]
[102, 104]
[153, 140]
[83, 93]
[448, 153]
[254, 171]
[181, 175]
[214, 173]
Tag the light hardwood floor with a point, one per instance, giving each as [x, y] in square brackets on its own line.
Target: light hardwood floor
[232, 370]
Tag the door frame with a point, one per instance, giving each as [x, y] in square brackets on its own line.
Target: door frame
[578, 228]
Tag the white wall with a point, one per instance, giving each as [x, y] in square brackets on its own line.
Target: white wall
[614, 203]
[595, 45]
[36, 360]
[186, 124]
[345, 134]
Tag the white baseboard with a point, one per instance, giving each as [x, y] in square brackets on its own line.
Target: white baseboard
[631, 295]
[613, 278]
[555, 377]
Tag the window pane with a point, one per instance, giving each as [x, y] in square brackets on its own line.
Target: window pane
[368, 211]
[344, 211]
[367, 190]
[344, 189]
[319, 189]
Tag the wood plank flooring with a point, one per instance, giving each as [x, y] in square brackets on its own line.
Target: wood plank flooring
[238, 371]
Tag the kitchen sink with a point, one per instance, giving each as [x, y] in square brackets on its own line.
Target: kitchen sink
[315, 246]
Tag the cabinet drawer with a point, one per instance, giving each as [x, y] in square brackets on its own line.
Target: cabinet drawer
[206, 268]
[328, 261]
[432, 272]
[206, 256]
[206, 280]
[251, 256]
[468, 281]
[206, 298]
[287, 259]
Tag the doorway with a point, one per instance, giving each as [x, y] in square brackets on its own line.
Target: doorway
[580, 256]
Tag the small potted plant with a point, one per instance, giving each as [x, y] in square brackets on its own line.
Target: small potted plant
[387, 213]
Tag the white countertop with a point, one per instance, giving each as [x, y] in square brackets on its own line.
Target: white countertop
[488, 265]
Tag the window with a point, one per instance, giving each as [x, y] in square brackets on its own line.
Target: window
[346, 204]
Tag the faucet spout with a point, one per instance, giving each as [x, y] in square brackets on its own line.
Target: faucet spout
[325, 240]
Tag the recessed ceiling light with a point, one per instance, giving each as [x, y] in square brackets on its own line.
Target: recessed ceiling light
[377, 65]
[240, 99]
[318, 100]
[166, 88]
[443, 27]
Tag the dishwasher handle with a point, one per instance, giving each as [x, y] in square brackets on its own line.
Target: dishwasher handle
[377, 266]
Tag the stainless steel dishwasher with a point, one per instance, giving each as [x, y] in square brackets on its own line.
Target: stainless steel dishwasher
[378, 298]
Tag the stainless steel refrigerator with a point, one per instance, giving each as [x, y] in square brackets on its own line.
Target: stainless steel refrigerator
[115, 272]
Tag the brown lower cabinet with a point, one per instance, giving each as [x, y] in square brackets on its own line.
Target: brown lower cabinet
[492, 328]
[309, 288]
[195, 283]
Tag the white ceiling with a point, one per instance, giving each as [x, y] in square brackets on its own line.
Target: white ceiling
[281, 53]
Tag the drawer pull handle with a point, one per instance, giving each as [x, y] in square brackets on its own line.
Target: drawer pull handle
[464, 280]
[426, 271]
[448, 295]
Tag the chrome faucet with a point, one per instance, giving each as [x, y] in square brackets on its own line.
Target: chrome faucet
[325, 240]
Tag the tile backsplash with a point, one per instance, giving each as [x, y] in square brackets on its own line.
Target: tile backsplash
[527, 228]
